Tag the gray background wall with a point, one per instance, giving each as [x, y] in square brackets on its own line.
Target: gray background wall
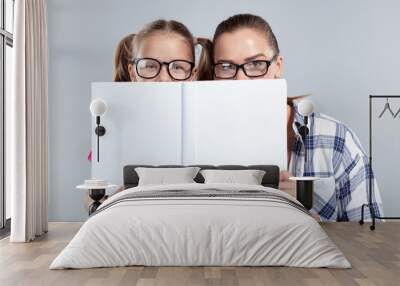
[340, 51]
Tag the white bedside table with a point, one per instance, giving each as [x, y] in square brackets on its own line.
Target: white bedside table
[96, 193]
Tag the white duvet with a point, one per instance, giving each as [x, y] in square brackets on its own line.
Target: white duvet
[200, 231]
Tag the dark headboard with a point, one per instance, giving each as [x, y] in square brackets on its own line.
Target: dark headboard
[270, 179]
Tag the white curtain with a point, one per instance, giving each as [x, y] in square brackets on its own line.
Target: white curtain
[27, 123]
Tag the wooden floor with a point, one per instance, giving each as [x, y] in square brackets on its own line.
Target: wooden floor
[375, 257]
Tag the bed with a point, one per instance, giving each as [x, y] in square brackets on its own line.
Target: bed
[201, 224]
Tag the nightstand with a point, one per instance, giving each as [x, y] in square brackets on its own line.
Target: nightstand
[97, 191]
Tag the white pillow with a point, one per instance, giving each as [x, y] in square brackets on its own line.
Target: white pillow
[248, 177]
[165, 176]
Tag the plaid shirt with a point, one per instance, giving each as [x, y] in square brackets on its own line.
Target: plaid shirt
[335, 152]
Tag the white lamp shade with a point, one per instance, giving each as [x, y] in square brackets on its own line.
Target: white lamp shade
[305, 107]
[98, 107]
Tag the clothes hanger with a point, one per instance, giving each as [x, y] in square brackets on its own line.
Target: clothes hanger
[397, 113]
[387, 107]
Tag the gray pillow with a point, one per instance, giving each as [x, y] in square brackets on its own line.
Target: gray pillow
[165, 176]
[248, 177]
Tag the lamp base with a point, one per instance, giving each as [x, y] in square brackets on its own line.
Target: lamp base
[100, 130]
[304, 192]
[96, 195]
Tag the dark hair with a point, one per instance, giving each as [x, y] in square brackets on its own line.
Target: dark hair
[123, 54]
[204, 65]
[239, 21]
[204, 70]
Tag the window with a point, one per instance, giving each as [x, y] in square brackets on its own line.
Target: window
[6, 45]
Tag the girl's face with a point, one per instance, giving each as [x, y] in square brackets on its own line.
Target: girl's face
[163, 48]
[245, 46]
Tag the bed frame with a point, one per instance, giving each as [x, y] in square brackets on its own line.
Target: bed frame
[270, 179]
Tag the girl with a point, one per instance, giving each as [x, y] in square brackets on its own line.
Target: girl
[246, 48]
[162, 51]
[165, 51]
[156, 43]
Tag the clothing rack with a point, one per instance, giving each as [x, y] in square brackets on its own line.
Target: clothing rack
[369, 205]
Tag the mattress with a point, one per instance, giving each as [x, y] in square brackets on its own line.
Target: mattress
[201, 225]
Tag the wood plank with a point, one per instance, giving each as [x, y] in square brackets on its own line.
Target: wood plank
[374, 255]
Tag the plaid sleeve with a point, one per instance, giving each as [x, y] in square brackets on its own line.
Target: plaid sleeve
[352, 173]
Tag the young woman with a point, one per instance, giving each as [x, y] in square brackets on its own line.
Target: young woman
[246, 48]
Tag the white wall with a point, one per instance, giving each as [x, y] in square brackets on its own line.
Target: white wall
[340, 51]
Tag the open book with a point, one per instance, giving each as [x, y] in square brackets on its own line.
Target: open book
[208, 122]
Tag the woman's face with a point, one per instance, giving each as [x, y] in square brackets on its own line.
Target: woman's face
[163, 47]
[245, 46]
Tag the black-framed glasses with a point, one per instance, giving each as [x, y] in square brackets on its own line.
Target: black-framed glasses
[149, 68]
[228, 70]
